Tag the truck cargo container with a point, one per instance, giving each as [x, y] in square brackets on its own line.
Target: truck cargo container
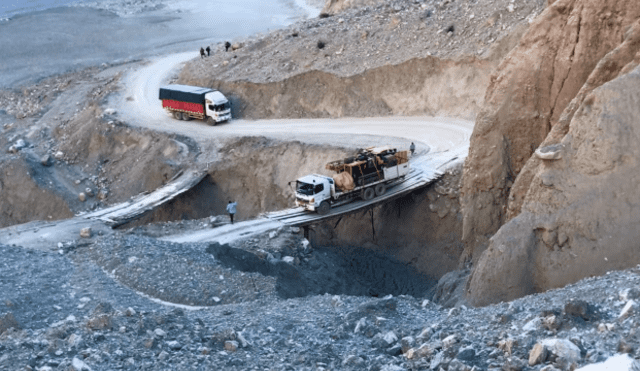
[188, 102]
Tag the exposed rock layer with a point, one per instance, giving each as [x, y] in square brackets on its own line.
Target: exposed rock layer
[526, 99]
[580, 215]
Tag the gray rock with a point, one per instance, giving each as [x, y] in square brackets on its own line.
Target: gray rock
[466, 354]
[174, 345]
[231, 345]
[8, 321]
[46, 160]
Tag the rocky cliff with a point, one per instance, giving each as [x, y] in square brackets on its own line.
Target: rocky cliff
[555, 153]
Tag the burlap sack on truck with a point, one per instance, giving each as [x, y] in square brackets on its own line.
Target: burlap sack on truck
[344, 181]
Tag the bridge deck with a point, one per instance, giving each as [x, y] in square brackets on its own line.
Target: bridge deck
[130, 210]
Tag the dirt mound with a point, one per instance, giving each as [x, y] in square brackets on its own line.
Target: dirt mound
[526, 99]
[22, 199]
[544, 246]
[417, 87]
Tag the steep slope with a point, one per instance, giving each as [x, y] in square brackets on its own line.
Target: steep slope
[571, 202]
[533, 86]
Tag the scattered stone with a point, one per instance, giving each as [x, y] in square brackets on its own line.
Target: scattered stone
[579, 308]
[231, 345]
[627, 310]
[78, 365]
[288, 259]
[159, 333]
[538, 354]
[466, 354]
[82, 197]
[130, 312]
[449, 341]
[85, 232]
[46, 160]
[59, 155]
[8, 321]
[174, 345]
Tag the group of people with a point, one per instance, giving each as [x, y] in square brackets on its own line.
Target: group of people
[207, 52]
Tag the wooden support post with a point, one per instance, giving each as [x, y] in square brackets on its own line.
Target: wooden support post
[373, 229]
[306, 231]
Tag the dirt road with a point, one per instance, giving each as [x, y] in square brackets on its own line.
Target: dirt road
[139, 105]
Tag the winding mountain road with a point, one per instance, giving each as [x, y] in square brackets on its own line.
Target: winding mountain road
[139, 105]
[441, 141]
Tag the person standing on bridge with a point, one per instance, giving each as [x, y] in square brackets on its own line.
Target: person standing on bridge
[412, 148]
[231, 209]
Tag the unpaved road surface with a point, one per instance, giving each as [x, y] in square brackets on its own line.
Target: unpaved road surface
[139, 105]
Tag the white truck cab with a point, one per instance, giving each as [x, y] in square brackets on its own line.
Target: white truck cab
[217, 106]
[312, 190]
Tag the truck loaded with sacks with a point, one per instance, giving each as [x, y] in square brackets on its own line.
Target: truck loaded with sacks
[365, 176]
[191, 102]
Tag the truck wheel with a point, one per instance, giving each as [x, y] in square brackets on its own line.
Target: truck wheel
[177, 115]
[186, 117]
[381, 189]
[324, 208]
[368, 194]
[211, 121]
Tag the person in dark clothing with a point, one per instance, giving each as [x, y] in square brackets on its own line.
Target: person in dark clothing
[208, 51]
[231, 209]
[412, 148]
[201, 52]
[227, 45]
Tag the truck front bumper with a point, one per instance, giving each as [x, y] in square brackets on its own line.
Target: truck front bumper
[306, 205]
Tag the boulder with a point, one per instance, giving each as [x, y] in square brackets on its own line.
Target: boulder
[8, 321]
[231, 345]
[85, 232]
[46, 160]
[538, 354]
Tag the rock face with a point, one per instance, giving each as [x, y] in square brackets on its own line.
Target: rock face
[547, 152]
[579, 218]
[563, 49]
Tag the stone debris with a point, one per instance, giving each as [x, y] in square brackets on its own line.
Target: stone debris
[85, 232]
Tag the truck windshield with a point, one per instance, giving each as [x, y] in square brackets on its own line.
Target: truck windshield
[304, 188]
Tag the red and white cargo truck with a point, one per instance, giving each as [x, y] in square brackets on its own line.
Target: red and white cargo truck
[191, 102]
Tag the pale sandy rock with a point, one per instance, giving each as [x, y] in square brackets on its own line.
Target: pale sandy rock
[527, 254]
[526, 99]
[538, 354]
[85, 232]
[82, 197]
[231, 345]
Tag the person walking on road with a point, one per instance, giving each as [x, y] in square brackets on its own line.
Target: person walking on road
[227, 45]
[412, 148]
[201, 52]
[208, 51]
[231, 209]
